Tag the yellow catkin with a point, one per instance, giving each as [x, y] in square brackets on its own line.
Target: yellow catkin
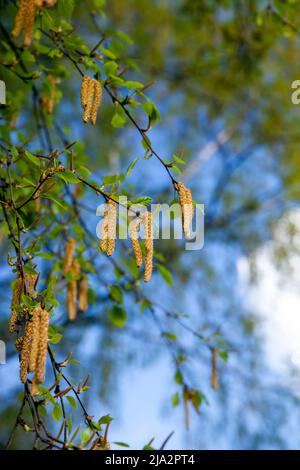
[36, 316]
[186, 398]
[50, 3]
[72, 291]
[37, 205]
[214, 378]
[25, 352]
[30, 282]
[29, 22]
[88, 101]
[69, 255]
[39, 4]
[112, 227]
[20, 19]
[104, 230]
[16, 299]
[19, 343]
[148, 246]
[84, 91]
[83, 294]
[77, 193]
[42, 347]
[133, 233]
[34, 386]
[187, 208]
[96, 102]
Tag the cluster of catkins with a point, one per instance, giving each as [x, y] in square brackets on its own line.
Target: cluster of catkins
[77, 286]
[32, 345]
[146, 219]
[90, 95]
[108, 236]
[187, 208]
[25, 18]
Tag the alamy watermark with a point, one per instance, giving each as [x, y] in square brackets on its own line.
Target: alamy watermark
[2, 352]
[295, 97]
[167, 222]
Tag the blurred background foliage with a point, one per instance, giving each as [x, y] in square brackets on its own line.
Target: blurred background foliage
[220, 73]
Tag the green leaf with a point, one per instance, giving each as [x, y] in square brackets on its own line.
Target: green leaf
[118, 121]
[110, 179]
[107, 53]
[121, 444]
[178, 160]
[110, 67]
[124, 37]
[105, 419]
[223, 355]
[176, 169]
[55, 339]
[117, 316]
[116, 293]
[132, 85]
[49, 196]
[170, 336]
[32, 158]
[72, 401]
[70, 424]
[65, 8]
[131, 166]
[175, 399]
[144, 200]
[165, 274]
[178, 377]
[68, 177]
[85, 435]
[14, 152]
[57, 412]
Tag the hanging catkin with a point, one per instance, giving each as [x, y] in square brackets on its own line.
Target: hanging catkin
[36, 316]
[42, 347]
[186, 398]
[37, 205]
[16, 299]
[30, 282]
[20, 19]
[133, 233]
[50, 3]
[84, 93]
[39, 4]
[25, 352]
[72, 291]
[214, 378]
[148, 246]
[29, 22]
[112, 227]
[87, 93]
[97, 101]
[69, 255]
[90, 95]
[187, 208]
[19, 343]
[104, 230]
[83, 294]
